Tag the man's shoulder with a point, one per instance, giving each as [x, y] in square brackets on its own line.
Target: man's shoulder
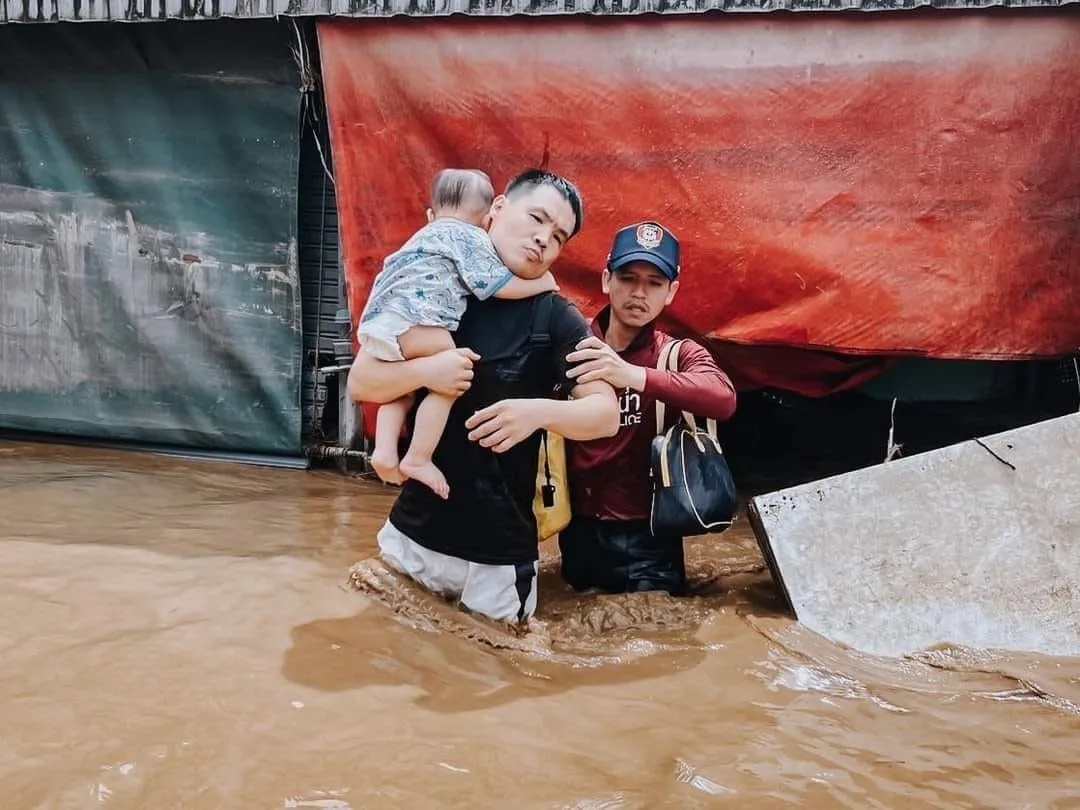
[561, 301]
[565, 313]
[506, 316]
[561, 310]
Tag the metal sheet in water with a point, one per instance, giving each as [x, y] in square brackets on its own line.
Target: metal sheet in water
[973, 544]
[147, 236]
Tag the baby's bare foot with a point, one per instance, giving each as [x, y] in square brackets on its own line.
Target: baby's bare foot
[427, 474]
[385, 464]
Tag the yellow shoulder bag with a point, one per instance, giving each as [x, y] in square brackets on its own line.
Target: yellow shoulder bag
[551, 503]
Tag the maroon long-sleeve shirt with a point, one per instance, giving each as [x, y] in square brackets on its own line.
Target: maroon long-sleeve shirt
[609, 478]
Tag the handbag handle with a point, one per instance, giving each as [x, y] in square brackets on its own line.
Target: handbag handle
[669, 361]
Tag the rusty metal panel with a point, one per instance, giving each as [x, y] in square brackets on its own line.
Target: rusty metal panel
[148, 254]
[150, 10]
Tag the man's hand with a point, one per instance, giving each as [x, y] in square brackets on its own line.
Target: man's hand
[598, 361]
[506, 423]
[450, 372]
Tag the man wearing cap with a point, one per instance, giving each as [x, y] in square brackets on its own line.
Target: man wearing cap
[608, 545]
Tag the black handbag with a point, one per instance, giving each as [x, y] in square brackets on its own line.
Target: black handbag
[693, 491]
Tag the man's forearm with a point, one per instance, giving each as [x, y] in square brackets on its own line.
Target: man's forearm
[380, 381]
[709, 394]
[592, 414]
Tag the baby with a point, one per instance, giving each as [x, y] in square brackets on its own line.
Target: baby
[418, 299]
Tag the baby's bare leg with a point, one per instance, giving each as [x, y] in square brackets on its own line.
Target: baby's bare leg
[388, 424]
[424, 341]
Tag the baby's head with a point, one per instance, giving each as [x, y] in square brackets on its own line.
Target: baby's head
[464, 194]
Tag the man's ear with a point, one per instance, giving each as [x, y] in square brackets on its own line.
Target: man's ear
[605, 281]
[671, 293]
[497, 205]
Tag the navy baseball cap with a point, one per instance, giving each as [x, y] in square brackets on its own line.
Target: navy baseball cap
[646, 242]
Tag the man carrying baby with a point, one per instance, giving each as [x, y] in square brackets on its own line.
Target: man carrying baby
[479, 546]
[417, 301]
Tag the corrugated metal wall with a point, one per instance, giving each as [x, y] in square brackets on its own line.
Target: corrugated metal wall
[149, 10]
[320, 274]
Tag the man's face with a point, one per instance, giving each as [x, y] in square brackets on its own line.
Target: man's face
[638, 293]
[530, 229]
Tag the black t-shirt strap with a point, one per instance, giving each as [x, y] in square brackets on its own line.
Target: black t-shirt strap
[541, 336]
[541, 327]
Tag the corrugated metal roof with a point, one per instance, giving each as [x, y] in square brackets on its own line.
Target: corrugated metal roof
[150, 10]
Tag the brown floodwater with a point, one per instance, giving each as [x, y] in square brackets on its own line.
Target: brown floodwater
[205, 635]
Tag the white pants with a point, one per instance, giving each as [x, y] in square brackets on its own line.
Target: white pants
[505, 593]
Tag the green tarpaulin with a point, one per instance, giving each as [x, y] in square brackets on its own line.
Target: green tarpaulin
[148, 234]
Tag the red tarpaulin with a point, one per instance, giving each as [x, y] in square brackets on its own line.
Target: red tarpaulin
[842, 187]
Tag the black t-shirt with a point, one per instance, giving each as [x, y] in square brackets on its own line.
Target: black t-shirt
[488, 517]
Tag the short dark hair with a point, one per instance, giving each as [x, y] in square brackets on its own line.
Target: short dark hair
[533, 178]
[455, 188]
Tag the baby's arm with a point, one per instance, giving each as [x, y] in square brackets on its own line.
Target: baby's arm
[527, 287]
[484, 273]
